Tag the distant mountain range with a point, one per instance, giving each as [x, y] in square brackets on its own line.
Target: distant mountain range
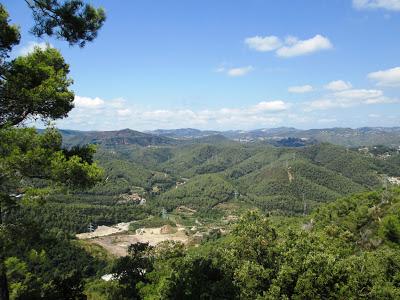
[365, 136]
[113, 138]
[282, 136]
[183, 133]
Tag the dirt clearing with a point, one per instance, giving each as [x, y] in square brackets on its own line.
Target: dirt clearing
[104, 231]
[117, 242]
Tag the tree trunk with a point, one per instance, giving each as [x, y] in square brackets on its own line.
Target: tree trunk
[4, 294]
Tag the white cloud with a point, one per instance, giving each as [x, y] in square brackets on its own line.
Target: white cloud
[263, 44]
[276, 105]
[350, 98]
[124, 112]
[235, 72]
[301, 89]
[87, 102]
[320, 104]
[374, 116]
[304, 47]
[390, 77]
[327, 120]
[291, 46]
[338, 85]
[291, 40]
[98, 114]
[32, 45]
[359, 94]
[376, 4]
[117, 103]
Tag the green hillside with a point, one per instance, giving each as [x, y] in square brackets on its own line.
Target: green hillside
[201, 192]
[369, 220]
[110, 138]
[349, 163]
[349, 249]
[204, 158]
[275, 179]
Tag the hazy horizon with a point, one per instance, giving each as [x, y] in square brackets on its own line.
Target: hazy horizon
[215, 130]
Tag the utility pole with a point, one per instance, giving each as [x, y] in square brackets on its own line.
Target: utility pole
[304, 205]
[164, 213]
[385, 188]
[91, 227]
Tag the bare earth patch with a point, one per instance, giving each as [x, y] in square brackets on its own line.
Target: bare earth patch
[117, 242]
[103, 231]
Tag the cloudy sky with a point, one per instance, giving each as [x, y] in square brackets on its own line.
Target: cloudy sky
[240, 64]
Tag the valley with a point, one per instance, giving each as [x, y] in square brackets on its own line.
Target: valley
[211, 214]
[206, 183]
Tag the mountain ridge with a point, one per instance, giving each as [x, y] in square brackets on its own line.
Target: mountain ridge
[348, 137]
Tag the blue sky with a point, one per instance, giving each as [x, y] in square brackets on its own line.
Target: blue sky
[240, 64]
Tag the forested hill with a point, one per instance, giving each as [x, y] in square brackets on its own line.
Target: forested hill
[213, 170]
[274, 179]
[213, 176]
[365, 136]
[112, 138]
[348, 137]
[346, 250]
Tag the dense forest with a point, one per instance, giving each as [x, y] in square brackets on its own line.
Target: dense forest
[276, 180]
[346, 249]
